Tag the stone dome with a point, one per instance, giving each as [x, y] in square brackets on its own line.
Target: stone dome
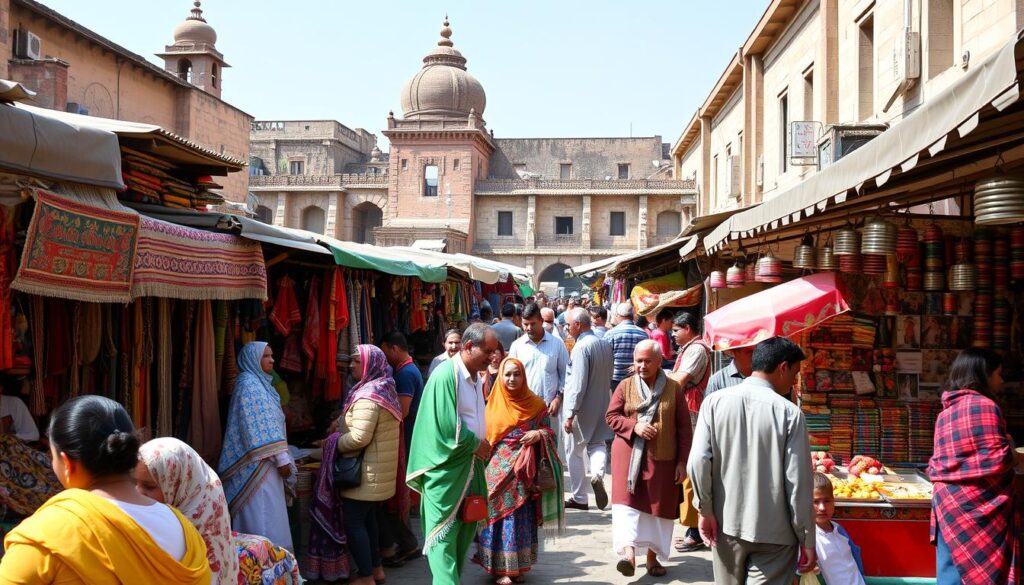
[195, 29]
[443, 88]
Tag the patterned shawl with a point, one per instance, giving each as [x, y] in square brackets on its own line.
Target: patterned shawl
[255, 430]
[972, 471]
[327, 557]
[376, 384]
[189, 485]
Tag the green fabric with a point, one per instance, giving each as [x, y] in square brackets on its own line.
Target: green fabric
[366, 259]
[552, 506]
[281, 386]
[446, 558]
[442, 467]
[525, 289]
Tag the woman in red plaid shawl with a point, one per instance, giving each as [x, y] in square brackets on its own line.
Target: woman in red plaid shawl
[973, 523]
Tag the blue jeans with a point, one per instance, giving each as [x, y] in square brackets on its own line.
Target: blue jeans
[363, 537]
[946, 572]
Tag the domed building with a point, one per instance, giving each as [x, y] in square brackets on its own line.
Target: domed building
[194, 56]
[542, 203]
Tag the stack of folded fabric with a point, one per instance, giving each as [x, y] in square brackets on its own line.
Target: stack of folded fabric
[895, 432]
[819, 426]
[866, 436]
[842, 419]
[178, 194]
[921, 417]
[863, 332]
[144, 175]
[204, 196]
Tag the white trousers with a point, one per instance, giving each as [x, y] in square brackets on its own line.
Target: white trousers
[577, 455]
[641, 531]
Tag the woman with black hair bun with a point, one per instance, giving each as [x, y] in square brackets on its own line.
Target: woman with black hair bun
[100, 530]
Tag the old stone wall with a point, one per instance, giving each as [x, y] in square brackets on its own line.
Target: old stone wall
[487, 209]
[325, 147]
[591, 158]
[726, 141]
[224, 129]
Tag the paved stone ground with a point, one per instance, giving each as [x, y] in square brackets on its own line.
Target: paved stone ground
[584, 556]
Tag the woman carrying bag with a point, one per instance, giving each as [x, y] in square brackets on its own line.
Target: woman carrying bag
[369, 427]
[524, 477]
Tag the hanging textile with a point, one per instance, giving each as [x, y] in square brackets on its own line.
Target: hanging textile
[205, 435]
[37, 400]
[183, 409]
[74, 379]
[333, 315]
[286, 313]
[78, 252]
[7, 268]
[180, 262]
[164, 347]
[220, 327]
[311, 327]
[90, 338]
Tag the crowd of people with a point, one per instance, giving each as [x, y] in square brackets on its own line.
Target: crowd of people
[519, 419]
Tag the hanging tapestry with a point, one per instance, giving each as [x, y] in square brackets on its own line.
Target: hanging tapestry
[78, 252]
[184, 263]
[650, 296]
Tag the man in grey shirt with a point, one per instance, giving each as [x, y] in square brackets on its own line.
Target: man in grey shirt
[734, 373]
[506, 328]
[751, 471]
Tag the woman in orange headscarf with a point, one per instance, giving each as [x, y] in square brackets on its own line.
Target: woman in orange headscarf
[524, 477]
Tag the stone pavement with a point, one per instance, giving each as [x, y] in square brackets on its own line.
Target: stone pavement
[583, 556]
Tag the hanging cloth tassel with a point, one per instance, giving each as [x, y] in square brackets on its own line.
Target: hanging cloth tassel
[204, 433]
[37, 402]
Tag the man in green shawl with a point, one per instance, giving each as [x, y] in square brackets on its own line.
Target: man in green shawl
[448, 452]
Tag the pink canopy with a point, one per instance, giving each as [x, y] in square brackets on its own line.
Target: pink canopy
[786, 309]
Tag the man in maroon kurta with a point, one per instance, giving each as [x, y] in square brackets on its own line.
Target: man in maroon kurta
[651, 421]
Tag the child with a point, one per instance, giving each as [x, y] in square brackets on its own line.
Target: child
[838, 557]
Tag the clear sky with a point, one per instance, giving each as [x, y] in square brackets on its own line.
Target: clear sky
[550, 68]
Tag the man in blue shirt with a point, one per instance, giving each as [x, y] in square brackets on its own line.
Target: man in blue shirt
[623, 339]
[395, 535]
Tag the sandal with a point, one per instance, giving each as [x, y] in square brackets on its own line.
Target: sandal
[687, 544]
[392, 562]
[626, 568]
[657, 570]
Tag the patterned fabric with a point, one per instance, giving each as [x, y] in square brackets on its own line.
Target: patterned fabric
[78, 252]
[327, 558]
[255, 429]
[376, 384]
[189, 485]
[178, 262]
[972, 472]
[509, 546]
[262, 563]
[26, 475]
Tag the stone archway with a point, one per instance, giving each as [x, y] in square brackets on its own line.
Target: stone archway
[556, 273]
[264, 214]
[314, 219]
[365, 217]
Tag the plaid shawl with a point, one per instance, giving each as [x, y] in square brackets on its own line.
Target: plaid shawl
[972, 471]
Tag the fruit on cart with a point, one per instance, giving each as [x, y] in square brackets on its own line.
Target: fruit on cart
[822, 461]
[855, 489]
[861, 464]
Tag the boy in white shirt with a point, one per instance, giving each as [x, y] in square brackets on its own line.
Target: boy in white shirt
[839, 558]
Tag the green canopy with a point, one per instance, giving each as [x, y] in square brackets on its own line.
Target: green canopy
[352, 255]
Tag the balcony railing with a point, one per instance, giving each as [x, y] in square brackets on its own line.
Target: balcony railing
[336, 181]
[559, 240]
[512, 185]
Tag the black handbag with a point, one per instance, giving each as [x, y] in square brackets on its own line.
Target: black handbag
[348, 471]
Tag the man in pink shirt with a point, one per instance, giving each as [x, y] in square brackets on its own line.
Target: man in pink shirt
[663, 324]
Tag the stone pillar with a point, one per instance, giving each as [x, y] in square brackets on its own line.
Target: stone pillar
[641, 227]
[531, 222]
[280, 214]
[331, 221]
[704, 203]
[585, 228]
[5, 37]
[826, 65]
[753, 128]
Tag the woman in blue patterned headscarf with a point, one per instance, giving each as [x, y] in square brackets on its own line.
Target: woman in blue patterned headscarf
[255, 464]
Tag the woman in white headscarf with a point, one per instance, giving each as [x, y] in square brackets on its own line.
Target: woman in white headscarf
[254, 464]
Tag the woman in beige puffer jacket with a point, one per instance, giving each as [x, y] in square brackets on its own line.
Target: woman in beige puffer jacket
[369, 423]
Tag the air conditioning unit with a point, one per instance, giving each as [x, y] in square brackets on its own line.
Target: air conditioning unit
[76, 108]
[840, 140]
[906, 57]
[27, 45]
[734, 176]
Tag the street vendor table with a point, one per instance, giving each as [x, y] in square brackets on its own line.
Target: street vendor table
[894, 540]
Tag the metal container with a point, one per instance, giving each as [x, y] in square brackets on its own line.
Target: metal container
[851, 263]
[717, 279]
[999, 200]
[735, 277]
[847, 242]
[804, 257]
[769, 269]
[906, 241]
[934, 281]
[878, 237]
[962, 277]
[826, 259]
[874, 263]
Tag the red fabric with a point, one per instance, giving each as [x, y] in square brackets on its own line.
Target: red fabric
[972, 472]
[694, 392]
[286, 313]
[418, 319]
[311, 332]
[7, 267]
[662, 338]
[333, 320]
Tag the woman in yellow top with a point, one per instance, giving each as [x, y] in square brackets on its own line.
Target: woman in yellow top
[100, 530]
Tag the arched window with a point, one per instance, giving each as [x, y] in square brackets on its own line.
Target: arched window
[185, 70]
[214, 75]
[314, 219]
[366, 216]
[264, 214]
[669, 223]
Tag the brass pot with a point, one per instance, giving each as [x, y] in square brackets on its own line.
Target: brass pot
[999, 200]
[827, 259]
[878, 237]
[847, 242]
[803, 256]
